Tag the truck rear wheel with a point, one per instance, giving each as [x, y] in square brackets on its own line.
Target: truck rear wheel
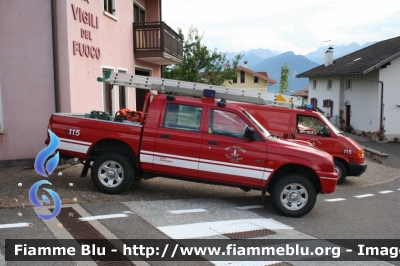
[112, 173]
[293, 195]
[341, 170]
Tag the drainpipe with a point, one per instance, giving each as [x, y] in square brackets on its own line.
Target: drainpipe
[161, 67]
[381, 114]
[55, 55]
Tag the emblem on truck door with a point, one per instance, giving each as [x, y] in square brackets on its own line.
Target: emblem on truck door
[234, 153]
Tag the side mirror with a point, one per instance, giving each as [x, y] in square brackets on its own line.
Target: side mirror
[326, 132]
[249, 133]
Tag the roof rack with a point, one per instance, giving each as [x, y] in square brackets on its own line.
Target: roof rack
[196, 89]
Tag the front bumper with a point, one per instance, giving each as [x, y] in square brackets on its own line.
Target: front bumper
[328, 181]
[356, 169]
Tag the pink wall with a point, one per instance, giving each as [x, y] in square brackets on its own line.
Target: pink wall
[26, 77]
[114, 39]
[26, 65]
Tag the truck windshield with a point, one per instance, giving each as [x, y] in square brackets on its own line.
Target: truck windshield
[260, 127]
[330, 125]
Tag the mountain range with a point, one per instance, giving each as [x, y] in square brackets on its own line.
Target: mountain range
[271, 61]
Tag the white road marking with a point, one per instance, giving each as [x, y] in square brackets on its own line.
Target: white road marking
[364, 196]
[99, 217]
[385, 191]
[250, 207]
[196, 230]
[2, 226]
[337, 199]
[187, 211]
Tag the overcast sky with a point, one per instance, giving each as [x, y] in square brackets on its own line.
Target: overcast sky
[284, 25]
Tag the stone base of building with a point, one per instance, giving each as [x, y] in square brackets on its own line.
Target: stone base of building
[17, 163]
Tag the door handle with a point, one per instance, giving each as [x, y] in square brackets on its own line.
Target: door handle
[166, 136]
[213, 142]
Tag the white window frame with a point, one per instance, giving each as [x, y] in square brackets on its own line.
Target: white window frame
[1, 114]
[111, 15]
[123, 70]
[113, 98]
[329, 85]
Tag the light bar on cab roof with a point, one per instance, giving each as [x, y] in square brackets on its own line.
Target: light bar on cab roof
[209, 93]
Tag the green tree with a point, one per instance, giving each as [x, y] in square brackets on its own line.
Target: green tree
[284, 82]
[200, 64]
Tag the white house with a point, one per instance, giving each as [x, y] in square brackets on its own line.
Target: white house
[363, 87]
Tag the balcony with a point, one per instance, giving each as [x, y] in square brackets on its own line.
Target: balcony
[157, 43]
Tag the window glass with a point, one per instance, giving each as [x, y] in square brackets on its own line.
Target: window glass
[107, 94]
[260, 127]
[309, 125]
[331, 126]
[226, 123]
[109, 6]
[242, 77]
[349, 83]
[139, 14]
[330, 84]
[185, 117]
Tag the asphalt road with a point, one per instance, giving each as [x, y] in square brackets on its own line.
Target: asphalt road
[168, 209]
[365, 217]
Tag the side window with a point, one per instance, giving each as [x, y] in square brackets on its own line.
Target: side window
[184, 117]
[226, 123]
[308, 125]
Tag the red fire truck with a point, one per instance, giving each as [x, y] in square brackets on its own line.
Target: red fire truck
[196, 139]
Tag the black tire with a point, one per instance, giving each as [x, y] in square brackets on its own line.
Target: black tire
[341, 170]
[302, 191]
[112, 173]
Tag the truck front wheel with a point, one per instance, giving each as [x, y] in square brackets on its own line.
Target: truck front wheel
[293, 195]
[112, 173]
[341, 170]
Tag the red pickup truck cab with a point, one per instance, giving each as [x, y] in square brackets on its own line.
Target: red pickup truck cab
[198, 140]
[308, 125]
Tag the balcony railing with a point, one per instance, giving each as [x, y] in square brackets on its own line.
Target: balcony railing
[157, 43]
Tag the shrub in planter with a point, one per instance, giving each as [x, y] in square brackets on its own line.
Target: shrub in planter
[349, 129]
[396, 139]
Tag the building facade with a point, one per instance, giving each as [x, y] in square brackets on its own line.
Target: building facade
[54, 52]
[361, 88]
[250, 80]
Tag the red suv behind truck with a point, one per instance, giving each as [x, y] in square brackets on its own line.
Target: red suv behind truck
[312, 126]
[198, 140]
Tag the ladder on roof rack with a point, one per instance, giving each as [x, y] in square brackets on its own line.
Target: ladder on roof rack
[196, 89]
